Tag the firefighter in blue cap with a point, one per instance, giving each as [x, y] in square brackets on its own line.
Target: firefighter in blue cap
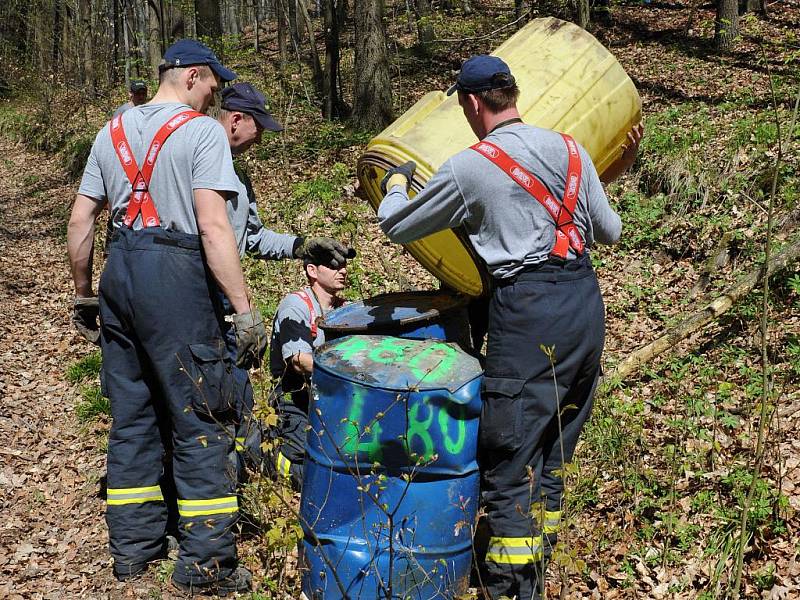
[165, 171]
[532, 204]
[245, 116]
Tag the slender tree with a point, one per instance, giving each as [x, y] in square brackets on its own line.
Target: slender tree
[373, 93]
[333, 107]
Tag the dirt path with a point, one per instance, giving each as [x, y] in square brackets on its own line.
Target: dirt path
[52, 536]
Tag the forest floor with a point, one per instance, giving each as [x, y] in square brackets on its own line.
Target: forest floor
[665, 464]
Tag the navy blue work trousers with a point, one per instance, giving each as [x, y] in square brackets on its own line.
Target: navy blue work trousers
[555, 308]
[171, 382]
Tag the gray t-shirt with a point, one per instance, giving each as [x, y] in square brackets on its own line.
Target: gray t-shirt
[196, 156]
[508, 228]
[251, 235]
[291, 332]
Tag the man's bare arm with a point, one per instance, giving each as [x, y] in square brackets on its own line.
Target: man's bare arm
[219, 245]
[80, 242]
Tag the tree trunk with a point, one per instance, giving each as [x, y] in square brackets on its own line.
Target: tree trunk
[312, 44]
[422, 11]
[294, 29]
[209, 18]
[582, 13]
[333, 107]
[256, 23]
[141, 36]
[127, 42]
[755, 6]
[726, 27]
[85, 44]
[153, 36]
[280, 20]
[373, 92]
[57, 27]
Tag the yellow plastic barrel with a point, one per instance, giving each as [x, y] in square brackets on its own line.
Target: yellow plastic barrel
[568, 81]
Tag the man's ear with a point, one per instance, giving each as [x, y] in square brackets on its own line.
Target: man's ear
[192, 75]
[474, 103]
[236, 118]
[311, 271]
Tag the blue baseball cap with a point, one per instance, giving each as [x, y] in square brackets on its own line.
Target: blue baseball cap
[243, 97]
[187, 52]
[481, 73]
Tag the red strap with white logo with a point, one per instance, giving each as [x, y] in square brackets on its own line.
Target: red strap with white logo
[337, 302]
[140, 199]
[307, 299]
[567, 233]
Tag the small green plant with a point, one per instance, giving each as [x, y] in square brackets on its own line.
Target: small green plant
[86, 368]
[164, 571]
[324, 189]
[92, 404]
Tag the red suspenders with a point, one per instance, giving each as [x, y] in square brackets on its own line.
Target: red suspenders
[567, 233]
[307, 299]
[140, 200]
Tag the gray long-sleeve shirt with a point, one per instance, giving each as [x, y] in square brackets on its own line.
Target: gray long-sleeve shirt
[508, 228]
[251, 235]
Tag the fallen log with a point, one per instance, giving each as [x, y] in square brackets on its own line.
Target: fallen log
[704, 316]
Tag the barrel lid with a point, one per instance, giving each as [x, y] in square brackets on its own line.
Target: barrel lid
[397, 363]
[398, 308]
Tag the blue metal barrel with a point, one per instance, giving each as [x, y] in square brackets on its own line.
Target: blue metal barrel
[390, 490]
[415, 315]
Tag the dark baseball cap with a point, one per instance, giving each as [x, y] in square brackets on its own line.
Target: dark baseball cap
[481, 73]
[137, 85]
[188, 52]
[243, 97]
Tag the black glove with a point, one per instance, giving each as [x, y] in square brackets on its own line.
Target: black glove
[406, 169]
[325, 251]
[85, 312]
[251, 338]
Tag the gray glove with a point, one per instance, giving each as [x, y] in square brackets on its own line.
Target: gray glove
[325, 251]
[251, 338]
[85, 312]
[406, 169]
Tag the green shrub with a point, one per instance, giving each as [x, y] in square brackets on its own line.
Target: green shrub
[92, 404]
[86, 368]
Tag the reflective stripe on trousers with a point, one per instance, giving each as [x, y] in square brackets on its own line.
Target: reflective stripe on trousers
[134, 495]
[210, 506]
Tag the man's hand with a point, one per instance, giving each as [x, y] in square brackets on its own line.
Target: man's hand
[324, 250]
[251, 338]
[630, 149]
[406, 170]
[85, 312]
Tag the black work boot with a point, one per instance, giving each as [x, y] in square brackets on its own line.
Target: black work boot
[129, 572]
[240, 580]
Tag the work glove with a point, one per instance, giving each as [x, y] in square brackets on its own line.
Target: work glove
[325, 251]
[85, 313]
[406, 170]
[251, 338]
